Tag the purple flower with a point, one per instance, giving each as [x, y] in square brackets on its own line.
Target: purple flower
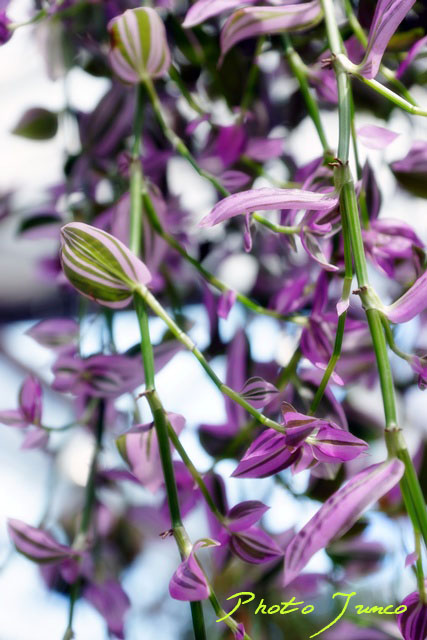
[5, 32]
[388, 241]
[415, 160]
[412, 54]
[140, 449]
[111, 602]
[254, 21]
[204, 9]
[339, 513]
[374, 137]
[139, 47]
[99, 266]
[412, 622]
[258, 391]
[59, 334]
[387, 17]
[306, 442]
[268, 199]
[189, 582]
[41, 547]
[419, 366]
[30, 406]
[412, 303]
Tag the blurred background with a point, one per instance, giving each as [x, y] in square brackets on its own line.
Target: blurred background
[36, 487]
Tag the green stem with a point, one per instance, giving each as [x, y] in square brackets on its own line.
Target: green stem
[136, 176]
[298, 68]
[175, 140]
[336, 353]
[419, 569]
[410, 487]
[391, 342]
[176, 77]
[209, 277]
[142, 291]
[278, 228]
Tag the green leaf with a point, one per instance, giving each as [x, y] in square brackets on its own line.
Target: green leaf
[37, 124]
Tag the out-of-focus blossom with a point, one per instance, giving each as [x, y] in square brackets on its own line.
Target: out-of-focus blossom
[111, 602]
[139, 47]
[42, 548]
[387, 17]
[412, 622]
[30, 406]
[140, 449]
[59, 334]
[388, 241]
[99, 266]
[226, 303]
[413, 302]
[5, 32]
[250, 22]
[419, 366]
[339, 513]
[411, 55]
[374, 137]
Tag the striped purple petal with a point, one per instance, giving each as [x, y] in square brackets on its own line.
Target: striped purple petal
[36, 544]
[55, 333]
[243, 515]
[336, 445]
[254, 546]
[413, 302]
[267, 200]
[254, 21]
[205, 9]
[189, 582]
[30, 399]
[412, 54]
[412, 623]
[387, 17]
[99, 266]
[267, 455]
[258, 392]
[139, 47]
[339, 513]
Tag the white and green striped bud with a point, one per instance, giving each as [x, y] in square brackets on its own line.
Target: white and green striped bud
[139, 48]
[99, 266]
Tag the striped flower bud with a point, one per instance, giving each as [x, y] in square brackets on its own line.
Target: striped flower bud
[139, 47]
[99, 266]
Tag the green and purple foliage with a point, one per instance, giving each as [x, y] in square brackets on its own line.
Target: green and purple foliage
[220, 86]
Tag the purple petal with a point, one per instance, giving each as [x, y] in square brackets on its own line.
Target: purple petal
[332, 445]
[254, 546]
[244, 515]
[267, 200]
[30, 399]
[374, 137]
[35, 439]
[239, 634]
[111, 602]
[205, 9]
[413, 302]
[267, 455]
[415, 160]
[388, 15]
[339, 513]
[411, 559]
[412, 623]
[36, 544]
[55, 333]
[234, 180]
[262, 149]
[254, 21]
[258, 392]
[314, 250]
[13, 418]
[412, 54]
[226, 303]
[189, 582]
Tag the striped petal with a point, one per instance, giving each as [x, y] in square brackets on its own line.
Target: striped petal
[412, 622]
[99, 266]
[189, 582]
[36, 544]
[388, 15]
[339, 513]
[413, 302]
[268, 200]
[205, 9]
[254, 21]
[139, 47]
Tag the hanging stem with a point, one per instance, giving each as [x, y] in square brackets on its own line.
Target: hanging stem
[410, 487]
